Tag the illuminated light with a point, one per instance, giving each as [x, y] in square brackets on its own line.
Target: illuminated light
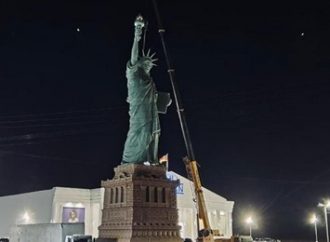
[249, 220]
[327, 203]
[222, 213]
[68, 204]
[314, 219]
[79, 205]
[26, 217]
[78, 30]
[73, 205]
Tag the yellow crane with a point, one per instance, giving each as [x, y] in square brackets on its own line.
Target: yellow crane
[206, 233]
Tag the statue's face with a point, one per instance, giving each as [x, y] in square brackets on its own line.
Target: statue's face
[147, 65]
[146, 62]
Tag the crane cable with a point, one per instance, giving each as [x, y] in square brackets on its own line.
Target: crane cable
[177, 97]
[192, 164]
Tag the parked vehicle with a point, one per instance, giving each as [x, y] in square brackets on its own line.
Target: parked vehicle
[78, 238]
[266, 240]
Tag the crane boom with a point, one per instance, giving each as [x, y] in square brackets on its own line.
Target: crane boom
[193, 173]
[190, 161]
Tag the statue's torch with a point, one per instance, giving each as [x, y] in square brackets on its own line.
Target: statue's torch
[139, 22]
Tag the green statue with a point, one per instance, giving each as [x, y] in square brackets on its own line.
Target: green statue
[144, 105]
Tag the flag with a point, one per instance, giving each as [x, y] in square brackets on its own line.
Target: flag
[164, 160]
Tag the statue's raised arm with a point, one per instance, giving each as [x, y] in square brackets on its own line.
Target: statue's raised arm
[139, 24]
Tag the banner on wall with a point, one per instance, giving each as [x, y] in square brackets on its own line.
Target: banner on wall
[173, 177]
[73, 215]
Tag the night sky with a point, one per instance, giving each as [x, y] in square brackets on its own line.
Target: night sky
[254, 79]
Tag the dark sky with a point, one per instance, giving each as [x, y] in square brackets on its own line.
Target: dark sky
[254, 77]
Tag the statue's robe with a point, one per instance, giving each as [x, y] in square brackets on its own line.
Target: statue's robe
[144, 129]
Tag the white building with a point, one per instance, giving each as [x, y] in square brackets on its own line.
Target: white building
[60, 205]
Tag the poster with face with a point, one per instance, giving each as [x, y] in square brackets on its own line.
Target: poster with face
[73, 215]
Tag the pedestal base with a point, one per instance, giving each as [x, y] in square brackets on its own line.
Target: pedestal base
[140, 205]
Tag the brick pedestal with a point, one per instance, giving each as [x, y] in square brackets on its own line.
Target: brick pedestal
[140, 205]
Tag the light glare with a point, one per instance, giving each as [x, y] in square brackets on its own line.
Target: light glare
[249, 220]
[26, 217]
[313, 219]
[327, 203]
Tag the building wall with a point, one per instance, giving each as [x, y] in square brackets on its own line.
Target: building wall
[47, 207]
[49, 232]
[97, 198]
[90, 200]
[219, 209]
[34, 207]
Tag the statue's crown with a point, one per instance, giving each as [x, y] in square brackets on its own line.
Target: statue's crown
[148, 56]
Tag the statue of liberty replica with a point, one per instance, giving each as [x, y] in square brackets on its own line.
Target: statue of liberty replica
[142, 139]
[140, 201]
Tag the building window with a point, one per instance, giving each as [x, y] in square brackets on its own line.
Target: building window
[163, 195]
[155, 195]
[111, 196]
[121, 194]
[147, 194]
[116, 196]
[108, 195]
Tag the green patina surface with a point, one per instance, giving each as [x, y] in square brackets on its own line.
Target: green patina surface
[142, 139]
[144, 129]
